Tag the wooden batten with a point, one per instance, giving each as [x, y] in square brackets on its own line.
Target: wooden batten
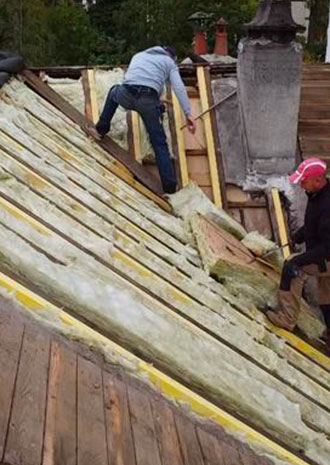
[280, 225]
[178, 119]
[210, 137]
[136, 129]
[91, 106]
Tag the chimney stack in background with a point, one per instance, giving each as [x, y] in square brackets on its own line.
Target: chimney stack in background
[221, 38]
[199, 22]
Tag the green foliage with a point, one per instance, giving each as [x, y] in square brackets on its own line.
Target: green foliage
[70, 38]
[138, 24]
[48, 33]
[61, 32]
[317, 35]
[23, 28]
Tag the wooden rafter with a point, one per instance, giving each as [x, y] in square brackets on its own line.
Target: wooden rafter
[107, 144]
[180, 140]
[91, 107]
[281, 223]
[210, 137]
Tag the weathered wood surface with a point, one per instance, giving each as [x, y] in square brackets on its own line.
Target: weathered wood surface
[60, 443]
[26, 427]
[314, 118]
[11, 333]
[48, 426]
[92, 446]
[118, 423]
[108, 144]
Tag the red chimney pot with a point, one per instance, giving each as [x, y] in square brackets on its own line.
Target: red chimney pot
[221, 38]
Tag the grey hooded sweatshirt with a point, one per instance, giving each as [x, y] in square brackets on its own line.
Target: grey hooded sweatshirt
[155, 68]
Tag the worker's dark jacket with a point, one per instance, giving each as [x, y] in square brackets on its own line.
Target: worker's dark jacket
[316, 230]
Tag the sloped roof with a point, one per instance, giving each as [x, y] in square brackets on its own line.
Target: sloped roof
[75, 230]
[82, 410]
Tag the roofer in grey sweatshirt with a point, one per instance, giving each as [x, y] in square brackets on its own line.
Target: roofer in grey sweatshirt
[144, 81]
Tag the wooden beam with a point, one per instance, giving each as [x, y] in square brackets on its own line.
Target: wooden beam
[91, 106]
[219, 160]
[281, 222]
[180, 140]
[174, 139]
[209, 136]
[136, 128]
[108, 144]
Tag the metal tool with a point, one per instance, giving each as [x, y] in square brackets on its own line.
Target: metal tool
[211, 108]
[278, 247]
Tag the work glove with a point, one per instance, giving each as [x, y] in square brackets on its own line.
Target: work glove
[290, 271]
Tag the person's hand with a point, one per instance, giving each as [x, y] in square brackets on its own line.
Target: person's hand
[166, 101]
[190, 124]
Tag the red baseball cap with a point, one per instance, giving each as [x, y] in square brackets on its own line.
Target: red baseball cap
[310, 168]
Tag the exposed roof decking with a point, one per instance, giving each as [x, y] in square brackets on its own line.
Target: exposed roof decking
[84, 411]
[234, 330]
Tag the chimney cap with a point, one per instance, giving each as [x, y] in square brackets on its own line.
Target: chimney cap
[200, 16]
[274, 18]
[222, 22]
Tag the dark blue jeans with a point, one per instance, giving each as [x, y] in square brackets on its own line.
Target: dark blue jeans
[149, 107]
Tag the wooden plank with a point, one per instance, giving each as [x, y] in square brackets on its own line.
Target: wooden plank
[198, 164]
[25, 436]
[216, 135]
[174, 139]
[178, 119]
[49, 457]
[281, 222]
[237, 214]
[197, 152]
[203, 180]
[118, 423]
[236, 195]
[107, 143]
[189, 443]
[316, 145]
[219, 451]
[136, 128]
[208, 191]
[11, 333]
[91, 106]
[211, 450]
[130, 140]
[60, 434]
[91, 433]
[199, 170]
[320, 83]
[317, 127]
[146, 447]
[166, 433]
[314, 111]
[210, 141]
[259, 217]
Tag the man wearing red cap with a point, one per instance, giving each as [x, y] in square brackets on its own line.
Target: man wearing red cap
[315, 261]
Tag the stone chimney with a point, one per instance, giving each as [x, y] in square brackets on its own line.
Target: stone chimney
[269, 75]
[221, 38]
